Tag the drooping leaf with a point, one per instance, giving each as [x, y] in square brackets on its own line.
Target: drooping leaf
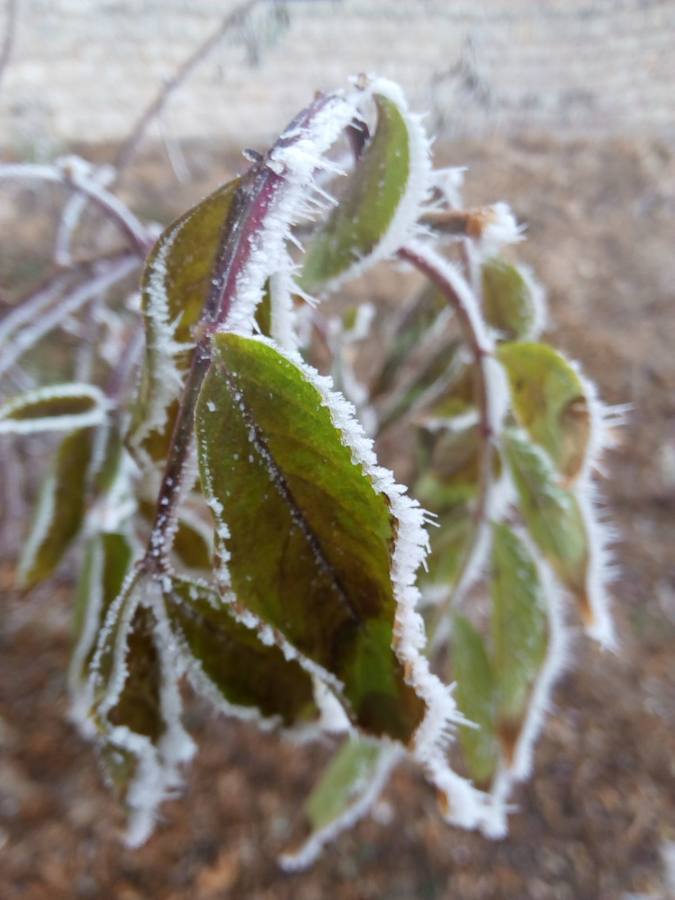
[508, 301]
[519, 630]
[230, 661]
[308, 538]
[550, 402]
[60, 510]
[176, 282]
[476, 697]
[347, 789]
[135, 705]
[368, 206]
[551, 513]
[105, 565]
[59, 407]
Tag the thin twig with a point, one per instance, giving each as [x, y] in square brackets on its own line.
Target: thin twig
[115, 210]
[233, 20]
[460, 297]
[108, 274]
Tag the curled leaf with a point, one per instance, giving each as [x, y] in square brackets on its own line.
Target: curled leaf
[135, 705]
[384, 191]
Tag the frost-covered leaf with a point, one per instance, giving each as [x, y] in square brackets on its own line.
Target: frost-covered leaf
[552, 514]
[176, 282]
[510, 300]
[104, 568]
[345, 793]
[476, 697]
[107, 458]
[59, 407]
[519, 630]
[60, 510]
[134, 703]
[308, 538]
[369, 204]
[228, 662]
[550, 402]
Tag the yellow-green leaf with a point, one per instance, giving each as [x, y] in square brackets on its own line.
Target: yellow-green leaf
[508, 301]
[550, 402]
[519, 630]
[551, 513]
[476, 698]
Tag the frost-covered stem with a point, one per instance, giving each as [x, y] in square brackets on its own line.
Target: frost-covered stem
[114, 209]
[104, 275]
[241, 232]
[426, 263]
[8, 37]
[234, 19]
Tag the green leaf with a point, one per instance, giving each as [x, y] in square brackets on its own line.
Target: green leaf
[232, 660]
[476, 698]
[59, 407]
[309, 538]
[367, 208]
[345, 779]
[550, 403]
[105, 565]
[551, 513]
[345, 792]
[60, 510]
[519, 630]
[175, 285]
[508, 302]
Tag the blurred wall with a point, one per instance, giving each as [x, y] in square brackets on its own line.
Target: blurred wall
[83, 69]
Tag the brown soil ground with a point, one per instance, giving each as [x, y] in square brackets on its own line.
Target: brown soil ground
[595, 819]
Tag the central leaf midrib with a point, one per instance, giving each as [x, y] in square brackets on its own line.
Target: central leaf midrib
[281, 485]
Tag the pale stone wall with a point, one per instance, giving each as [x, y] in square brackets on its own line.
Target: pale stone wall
[83, 69]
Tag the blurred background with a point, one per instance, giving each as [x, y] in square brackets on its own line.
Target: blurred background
[565, 110]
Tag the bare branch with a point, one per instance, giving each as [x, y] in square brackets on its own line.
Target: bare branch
[233, 20]
[70, 177]
[460, 297]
